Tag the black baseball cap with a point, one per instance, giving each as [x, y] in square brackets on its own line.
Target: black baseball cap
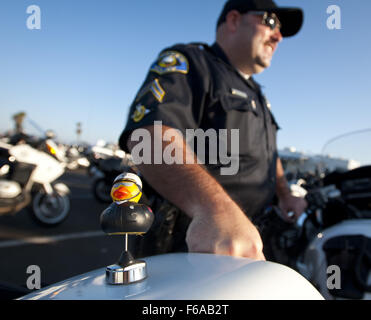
[291, 18]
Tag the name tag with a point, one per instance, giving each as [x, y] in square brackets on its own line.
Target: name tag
[239, 93]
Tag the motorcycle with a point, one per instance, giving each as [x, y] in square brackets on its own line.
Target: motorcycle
[27, 179]
[333, 234]
[69, 157]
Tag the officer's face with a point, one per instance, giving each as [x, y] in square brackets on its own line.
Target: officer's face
[257, 42]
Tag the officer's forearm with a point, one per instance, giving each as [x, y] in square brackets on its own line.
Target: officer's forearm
[282, 187]
[188, 186]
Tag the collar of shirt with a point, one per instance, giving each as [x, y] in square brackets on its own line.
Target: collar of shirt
[218, 51]
[244, 75]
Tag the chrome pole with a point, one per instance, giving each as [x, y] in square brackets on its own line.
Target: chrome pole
[126, 242]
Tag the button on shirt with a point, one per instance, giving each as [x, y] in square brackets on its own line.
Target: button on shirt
[194, 86]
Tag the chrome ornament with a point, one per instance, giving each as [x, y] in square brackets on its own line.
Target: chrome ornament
[123, 217]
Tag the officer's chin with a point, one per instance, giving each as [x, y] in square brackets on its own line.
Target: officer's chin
[259, 69]
[261, 65]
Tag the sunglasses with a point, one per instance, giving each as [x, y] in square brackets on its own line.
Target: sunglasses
[268, 19]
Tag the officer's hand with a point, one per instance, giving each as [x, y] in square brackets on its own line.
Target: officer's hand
[290, 203]
[226, 233]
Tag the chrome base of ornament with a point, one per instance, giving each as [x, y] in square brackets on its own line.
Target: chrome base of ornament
[134, 272]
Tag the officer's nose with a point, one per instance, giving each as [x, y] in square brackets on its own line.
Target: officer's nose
[277, 35]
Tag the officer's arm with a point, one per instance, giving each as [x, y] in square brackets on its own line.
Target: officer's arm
[218, 224]
[287, 202]
[282, 187]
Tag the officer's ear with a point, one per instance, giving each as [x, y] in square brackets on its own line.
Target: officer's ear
[233, 20]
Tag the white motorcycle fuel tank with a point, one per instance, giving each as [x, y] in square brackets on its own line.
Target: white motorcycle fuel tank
[190, 276]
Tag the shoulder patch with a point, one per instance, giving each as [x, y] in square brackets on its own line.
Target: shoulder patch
[169, 62]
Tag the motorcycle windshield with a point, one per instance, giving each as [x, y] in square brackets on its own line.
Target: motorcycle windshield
[347, 151]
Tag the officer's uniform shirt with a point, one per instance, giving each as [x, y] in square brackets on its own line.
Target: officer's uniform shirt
[195, 86]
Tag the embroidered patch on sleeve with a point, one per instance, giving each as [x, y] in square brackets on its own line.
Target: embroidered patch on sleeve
[155, 88]
[170, 61]
[139, 113]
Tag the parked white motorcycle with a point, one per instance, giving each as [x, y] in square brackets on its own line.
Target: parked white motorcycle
[330, 244]
[27, 178]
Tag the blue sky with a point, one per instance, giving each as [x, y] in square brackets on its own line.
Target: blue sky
[89, 58]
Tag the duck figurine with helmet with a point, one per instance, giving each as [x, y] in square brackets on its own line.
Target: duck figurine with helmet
[125, 216]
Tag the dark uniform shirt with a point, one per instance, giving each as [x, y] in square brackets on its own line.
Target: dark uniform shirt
[195, 86]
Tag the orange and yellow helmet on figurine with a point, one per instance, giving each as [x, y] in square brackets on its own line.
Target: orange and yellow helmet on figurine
[126, 187]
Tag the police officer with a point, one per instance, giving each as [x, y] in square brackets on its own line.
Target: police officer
[196, 86]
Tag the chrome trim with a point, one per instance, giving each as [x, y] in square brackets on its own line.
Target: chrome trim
[136, 271]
